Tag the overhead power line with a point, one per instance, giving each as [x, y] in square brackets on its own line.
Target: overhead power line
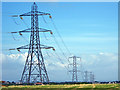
[55, 39]
[60, 37]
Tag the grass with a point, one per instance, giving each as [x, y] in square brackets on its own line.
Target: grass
[65, 86]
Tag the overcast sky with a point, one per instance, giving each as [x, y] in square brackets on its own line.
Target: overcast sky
[88, 29]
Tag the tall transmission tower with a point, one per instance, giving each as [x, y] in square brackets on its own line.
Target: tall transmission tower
[91, 77]
[86, 76]
[34, 69]
[74, 66]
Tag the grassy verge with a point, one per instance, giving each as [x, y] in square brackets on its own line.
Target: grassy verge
[61, 87]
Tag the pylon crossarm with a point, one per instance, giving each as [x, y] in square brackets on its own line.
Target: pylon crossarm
[25, 14]
[14, 16]
[46, 47]
[30, 14]
[27, 47]
[29, 30]
[22, 47]
[70, 57]
[72, 71]
[45, 30]
[78, 57]
[26, 30]
[42, 13]
[37, 12]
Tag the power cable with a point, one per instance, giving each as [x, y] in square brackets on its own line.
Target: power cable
[25, 23]
[24, 38]
[14, 37]
[60, 60]
[45, 36]
[55, 40]
[60, 37]
[44, 19]
[11, 54]
[59, 46]
[15, 21]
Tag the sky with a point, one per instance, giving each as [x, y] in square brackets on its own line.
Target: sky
[60, 0]
[89, 30]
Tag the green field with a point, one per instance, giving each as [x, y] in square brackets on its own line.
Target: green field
[65, 86]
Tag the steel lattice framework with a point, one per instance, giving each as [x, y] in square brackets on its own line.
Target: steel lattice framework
[34, 69]
[74, 66]
[86, 76]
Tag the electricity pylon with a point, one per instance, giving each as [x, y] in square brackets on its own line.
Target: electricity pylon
[86, 76]
[34, 69]
[74, 66]
[92, 77]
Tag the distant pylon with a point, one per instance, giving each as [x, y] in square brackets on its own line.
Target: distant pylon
[74, 66]
[86, 76]
[92, 77]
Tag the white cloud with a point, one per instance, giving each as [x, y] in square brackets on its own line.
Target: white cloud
[102, 64]
[14, 57]
[101, 53]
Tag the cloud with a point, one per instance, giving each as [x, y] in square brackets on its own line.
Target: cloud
[13, 64]
[103, 65]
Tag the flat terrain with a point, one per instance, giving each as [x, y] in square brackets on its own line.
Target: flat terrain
[65, 86]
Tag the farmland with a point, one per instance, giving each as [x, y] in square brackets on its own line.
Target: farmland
[65, 86]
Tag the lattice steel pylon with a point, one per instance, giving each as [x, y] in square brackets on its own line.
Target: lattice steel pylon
[74, 70]
[34, 69]
[92, 77]
[86, 76]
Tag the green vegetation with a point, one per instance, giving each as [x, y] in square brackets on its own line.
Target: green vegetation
[65, 86]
